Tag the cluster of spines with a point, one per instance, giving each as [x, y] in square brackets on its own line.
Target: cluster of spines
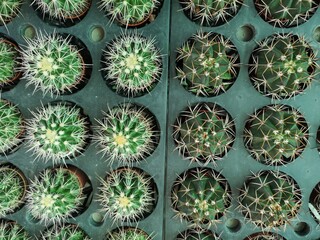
[12, 231]
[65, 232]
[9, 9]
[265, 236]
[126, 233]
[197, 234]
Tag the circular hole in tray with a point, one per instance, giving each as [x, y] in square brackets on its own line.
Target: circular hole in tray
[96, 219]
[233, 224]
[301, 228]
[28, 31]
[316, 34]
[245, 33]
[96, 33]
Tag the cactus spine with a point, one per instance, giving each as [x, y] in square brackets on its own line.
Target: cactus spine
[12, 231]
[197, 234]
[9, 9]
[65, 232]
[126, 233]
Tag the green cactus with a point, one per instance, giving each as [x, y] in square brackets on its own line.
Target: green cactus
[11, 127]
[276, 134]
[201, 196]
[197, 234]
[126, 134]
[65, 232]
[126, 233]
[129, 12]
[265, 236]
[12, 189]
[286, 13]
[8, 10]
[57, 132]
[127, 195]
[55, 195]
[211, 12]
[270, 199]
[283, 66]
[204, 133]
[207, 64]
[12, 231]
[132, 64]
[52, 64]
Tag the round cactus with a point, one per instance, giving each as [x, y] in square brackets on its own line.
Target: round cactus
[126, 134]
[12, 231]
[132, 64]
[207, 64]
[55, 195]
[286, 13]
[201, 196]
[126, 233]
[270, 199]
[11, 127]
[127, 195]
[65, 232]
[53, 64]
[211, 12]
[282, 66]
[9, 9]
[204, 133]
[265, 236]
[57, 132]
[197, 234]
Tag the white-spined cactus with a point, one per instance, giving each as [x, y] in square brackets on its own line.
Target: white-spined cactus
[10, 230]
[8, 10]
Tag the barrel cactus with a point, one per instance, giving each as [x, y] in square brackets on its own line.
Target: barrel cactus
[265, 236]
[197, 234]
[207, 64]
[276, 134]
[65, 232]
[127, 195]
[9, 9]
[126, 233]
[12, 231]
[201, 196]
[270, 199]
[204, 133]
[283, 66]
[126, 134]
[132, 64]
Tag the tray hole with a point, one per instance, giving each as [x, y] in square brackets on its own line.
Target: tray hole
[96, 219]
[302, 228]
[96, 33]
[316, 34]
[28, 31]
[245, 33]
[233, 225]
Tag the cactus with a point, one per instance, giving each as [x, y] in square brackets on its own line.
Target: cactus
[12, 231]
[197, 234]
[129, 12]
[8, 10]
[283, 66]
[127, 195]
[12, 190]
[270, 199]
[265, 236]
[52, 64]
[207, 64]
[11, 126]
[126, 233]
[204, 133]
[132, 64]
[286, 13]
[57, 132]
[54, 196]
[212, 12]
[65, 232]
[201, 196]
[126, 134]
[276, 134]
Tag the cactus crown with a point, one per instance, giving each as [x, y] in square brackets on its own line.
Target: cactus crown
[201, 196]
[65, 232]
[8, 10]
[12, 231]
[207, 64]
[52, 63]
[55, 195]
[126, 134]
[57, 132]
[204, 133]
[211, 12]
[126, 233]
[286, 13]
[270, 199]
[197, 234]
[283, 66]
[127, 195]
[276, 134]
[11, 126]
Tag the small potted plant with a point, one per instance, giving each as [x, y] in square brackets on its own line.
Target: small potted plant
[10, 230]
[200, 196]
[58, 194]
[57, 132]
[64, 232]
[197, 234]
[9, 9]
[207, 64]
[131, 64]
[126, 233]
[204, 133]
[127, 195]
[127, 134]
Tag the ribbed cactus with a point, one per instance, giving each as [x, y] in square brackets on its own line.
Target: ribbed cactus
[52, 63]
[132, 64]
[12, 231]
[127, 194]
[12, 189]
[265, 236]
[65, 232]
[286, 13]
[204, 133]
[207, 64]
[200, 196]
[211, 12]
[129, 12]
[9, 9]
[270, 199]
[126, 134]
[57, 132]
[276, 134]
[197, 234]
[55, 195]
[126, 233]
[11, 126]
[282, 66]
